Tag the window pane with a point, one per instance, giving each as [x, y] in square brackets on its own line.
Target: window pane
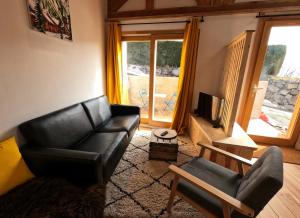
[136, 70]
[279, 84]
[168, 55]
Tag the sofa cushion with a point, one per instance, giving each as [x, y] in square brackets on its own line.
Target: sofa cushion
[121, 123]
[59, 129]
[98, 111]
[110, 146]
[213, 174]
[13, 169]
[262, 181]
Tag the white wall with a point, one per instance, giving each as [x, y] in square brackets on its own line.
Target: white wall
[215, 33]
[39, 73]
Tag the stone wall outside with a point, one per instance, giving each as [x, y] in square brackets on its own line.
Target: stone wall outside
[283, 92]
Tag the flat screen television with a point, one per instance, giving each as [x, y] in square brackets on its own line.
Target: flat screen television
[210, 107]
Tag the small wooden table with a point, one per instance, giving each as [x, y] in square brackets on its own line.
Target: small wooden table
[163, 147]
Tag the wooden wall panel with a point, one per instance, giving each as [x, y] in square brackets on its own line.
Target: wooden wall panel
[115, 5]
[149, 4]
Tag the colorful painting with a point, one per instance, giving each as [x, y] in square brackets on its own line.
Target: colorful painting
[51, 17]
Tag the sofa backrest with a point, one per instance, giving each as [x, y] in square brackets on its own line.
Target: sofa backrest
[98, 111]
[263, 180]
[59, 129]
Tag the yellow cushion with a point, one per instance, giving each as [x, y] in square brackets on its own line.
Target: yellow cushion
[13, 169]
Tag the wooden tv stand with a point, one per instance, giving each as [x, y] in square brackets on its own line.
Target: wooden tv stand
[201, 131]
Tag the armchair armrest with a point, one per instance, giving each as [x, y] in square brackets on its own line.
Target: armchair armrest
[225, 153]
[226, 199]
[121, 110]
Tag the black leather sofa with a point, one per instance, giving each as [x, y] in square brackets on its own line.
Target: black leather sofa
[83, 142]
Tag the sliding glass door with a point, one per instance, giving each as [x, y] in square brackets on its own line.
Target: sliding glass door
[273, 104]
[151, 66]
[168, 54]
[136, 73]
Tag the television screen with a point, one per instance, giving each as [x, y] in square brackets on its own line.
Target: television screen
[210, 108]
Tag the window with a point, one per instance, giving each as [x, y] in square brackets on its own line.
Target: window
[168, 55]
[136, 72]
[151, 67]
[272, 107]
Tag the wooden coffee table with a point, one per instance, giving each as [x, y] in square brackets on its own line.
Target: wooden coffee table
[163, 147]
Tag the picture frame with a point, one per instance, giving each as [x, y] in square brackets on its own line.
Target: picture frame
[51, 17]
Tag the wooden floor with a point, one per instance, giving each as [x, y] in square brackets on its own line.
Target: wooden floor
[286, 204]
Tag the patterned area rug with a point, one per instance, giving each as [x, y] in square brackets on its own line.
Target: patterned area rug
[141, 187]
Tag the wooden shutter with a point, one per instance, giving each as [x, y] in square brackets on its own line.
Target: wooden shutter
[234, 70]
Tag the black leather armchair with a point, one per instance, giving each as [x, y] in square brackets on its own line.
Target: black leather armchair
[220, 192]
[83, 142]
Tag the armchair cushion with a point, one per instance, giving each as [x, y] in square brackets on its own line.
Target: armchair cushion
[215, 175]
[263, 180]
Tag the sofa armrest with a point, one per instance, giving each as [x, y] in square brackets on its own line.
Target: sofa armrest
[64, 154]
[79, 166]
[122, 110]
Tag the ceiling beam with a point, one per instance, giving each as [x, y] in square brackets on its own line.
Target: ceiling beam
[115, 5]
[236, 8]
[222, 2]
[214, 2]
[203, 2]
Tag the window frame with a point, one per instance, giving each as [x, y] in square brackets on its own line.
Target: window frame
[254, 71]
[152, 36]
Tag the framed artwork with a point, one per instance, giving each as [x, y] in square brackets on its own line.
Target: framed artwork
[51, 17]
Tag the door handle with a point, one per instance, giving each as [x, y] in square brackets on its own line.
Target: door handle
[256, 88]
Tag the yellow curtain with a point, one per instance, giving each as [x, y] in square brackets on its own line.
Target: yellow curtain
[114, 64]
[186, 76]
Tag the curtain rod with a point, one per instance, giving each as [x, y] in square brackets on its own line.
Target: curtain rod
[276, 15]
[126, 24]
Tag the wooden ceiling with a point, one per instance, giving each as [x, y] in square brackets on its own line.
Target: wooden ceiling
[203, 8]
